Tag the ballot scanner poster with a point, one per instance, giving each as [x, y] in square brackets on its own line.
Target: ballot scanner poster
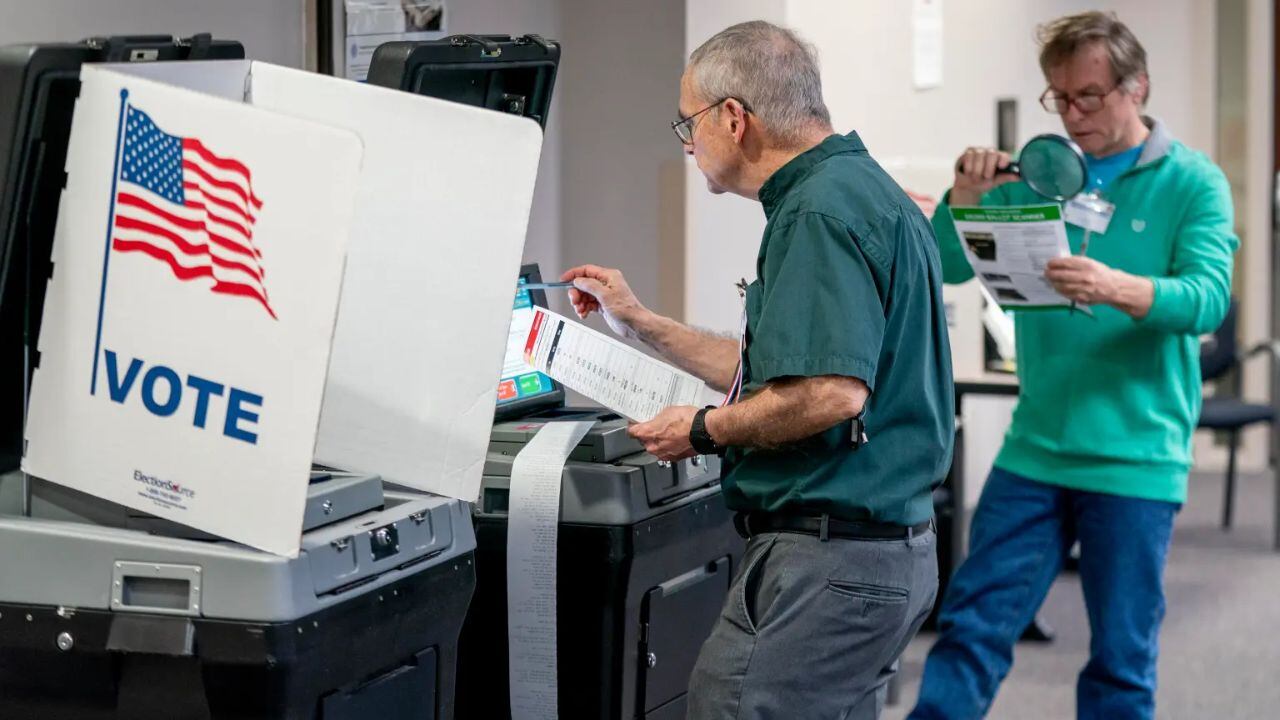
[198, 261]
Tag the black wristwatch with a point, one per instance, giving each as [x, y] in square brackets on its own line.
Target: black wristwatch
[699, 438]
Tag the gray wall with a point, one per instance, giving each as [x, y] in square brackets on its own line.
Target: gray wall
[271, 30]
[620, 86]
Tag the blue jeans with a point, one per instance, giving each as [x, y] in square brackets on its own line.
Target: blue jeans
[1021, 533]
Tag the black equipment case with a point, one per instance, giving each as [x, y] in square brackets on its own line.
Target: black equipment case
[499, 72]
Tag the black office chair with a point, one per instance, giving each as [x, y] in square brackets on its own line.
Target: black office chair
[1227, 412]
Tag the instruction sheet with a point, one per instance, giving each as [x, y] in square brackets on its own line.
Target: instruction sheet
[533, 522]
[1008, 248]
[609, 372]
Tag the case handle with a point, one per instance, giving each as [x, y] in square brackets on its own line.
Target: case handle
[488, 48]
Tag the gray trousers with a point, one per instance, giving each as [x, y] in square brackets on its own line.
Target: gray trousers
[812, 630]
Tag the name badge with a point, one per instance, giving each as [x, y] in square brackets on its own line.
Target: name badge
[1090, 212]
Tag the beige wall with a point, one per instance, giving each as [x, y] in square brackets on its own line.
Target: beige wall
[1253, 280]
[721, 232]
[990, 53]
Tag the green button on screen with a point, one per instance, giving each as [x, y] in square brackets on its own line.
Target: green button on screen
[530, 384]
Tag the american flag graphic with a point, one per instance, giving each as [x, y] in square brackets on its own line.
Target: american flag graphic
[189, 208]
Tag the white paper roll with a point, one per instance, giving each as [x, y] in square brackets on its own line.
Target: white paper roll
[533, 519]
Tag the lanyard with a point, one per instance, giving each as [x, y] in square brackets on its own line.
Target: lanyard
[735, 388]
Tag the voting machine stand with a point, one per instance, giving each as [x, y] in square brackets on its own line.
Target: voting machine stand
[646, 552]
[107, 612]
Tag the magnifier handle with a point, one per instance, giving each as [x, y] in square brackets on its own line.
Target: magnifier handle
[1012, 167]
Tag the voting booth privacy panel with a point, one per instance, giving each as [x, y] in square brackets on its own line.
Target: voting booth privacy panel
[197, 268]
[197, 311]
[212, 373]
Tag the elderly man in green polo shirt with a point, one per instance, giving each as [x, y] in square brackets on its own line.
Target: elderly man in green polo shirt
[844, 422]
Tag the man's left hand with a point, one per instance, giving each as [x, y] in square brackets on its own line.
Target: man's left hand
[1083, 280]
[667, 435]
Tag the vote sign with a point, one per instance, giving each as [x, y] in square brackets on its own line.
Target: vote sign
[197, 268]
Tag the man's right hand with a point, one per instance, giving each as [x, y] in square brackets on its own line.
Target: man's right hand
[978, 171]
[604, 290]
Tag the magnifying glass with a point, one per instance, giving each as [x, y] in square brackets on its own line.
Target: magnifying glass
[1051, 165]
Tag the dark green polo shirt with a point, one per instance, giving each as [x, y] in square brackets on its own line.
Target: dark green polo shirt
[849, 283]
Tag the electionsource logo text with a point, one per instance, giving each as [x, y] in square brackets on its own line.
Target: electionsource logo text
[166, 486]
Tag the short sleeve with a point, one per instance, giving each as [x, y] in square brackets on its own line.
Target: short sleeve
[820, 312]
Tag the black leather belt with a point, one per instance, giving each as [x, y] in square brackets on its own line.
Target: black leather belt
[824, 526]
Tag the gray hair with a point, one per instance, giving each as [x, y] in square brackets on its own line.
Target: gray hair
[771, 70]
[1061, 38]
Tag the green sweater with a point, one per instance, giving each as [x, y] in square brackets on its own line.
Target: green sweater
[1108, 403]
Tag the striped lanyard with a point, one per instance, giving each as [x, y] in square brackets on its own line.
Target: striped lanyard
[735, 389]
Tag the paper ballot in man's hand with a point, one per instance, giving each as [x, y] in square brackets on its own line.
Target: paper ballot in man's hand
[604, 290]
[610, 372]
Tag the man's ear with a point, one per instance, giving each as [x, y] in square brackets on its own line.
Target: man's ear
[737, 115]
[1142, 89]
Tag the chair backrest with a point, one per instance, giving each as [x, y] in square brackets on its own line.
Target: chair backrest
[1219, 354]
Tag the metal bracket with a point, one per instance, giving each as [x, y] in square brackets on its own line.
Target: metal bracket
[128, 578]
[538, 40]
[488, 48]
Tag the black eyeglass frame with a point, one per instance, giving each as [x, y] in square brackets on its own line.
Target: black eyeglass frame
[1049, 99]
[689, 123]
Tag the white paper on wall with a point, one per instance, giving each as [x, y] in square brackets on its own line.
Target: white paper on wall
[926, 43]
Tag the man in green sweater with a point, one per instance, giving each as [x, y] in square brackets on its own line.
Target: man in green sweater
[1100, 444]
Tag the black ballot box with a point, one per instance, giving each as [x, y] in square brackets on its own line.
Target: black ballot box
[645, 556]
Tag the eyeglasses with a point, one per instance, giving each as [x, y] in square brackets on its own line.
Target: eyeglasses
[683, 127]
[1058, 103]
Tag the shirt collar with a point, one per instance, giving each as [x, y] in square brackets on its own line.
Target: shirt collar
[1158, 142]
[776, 188]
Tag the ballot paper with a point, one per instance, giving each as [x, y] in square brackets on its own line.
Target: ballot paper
[609, 372]
[1008, 248]
[533, 519]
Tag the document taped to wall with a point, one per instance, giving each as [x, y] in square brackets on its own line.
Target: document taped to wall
[371, 23]
[1008, 248]
[609, 372]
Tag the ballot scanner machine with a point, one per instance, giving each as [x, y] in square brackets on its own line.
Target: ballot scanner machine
[646, 552]
[107, 612]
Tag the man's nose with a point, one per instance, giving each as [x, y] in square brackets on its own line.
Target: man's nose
[688, 148]
[1072, 114]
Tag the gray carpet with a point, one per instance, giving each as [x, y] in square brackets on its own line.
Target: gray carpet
[1220, 648]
